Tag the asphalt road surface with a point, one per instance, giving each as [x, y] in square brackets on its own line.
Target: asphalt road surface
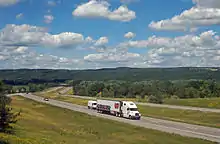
[189, 130]
[65, 90]
[160, 105]
[53, 89]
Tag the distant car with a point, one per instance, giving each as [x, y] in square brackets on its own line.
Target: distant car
[46, 99]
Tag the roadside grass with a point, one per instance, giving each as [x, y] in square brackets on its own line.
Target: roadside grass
[210, 119]
[196, 102]
[69, 92]
[188, 116]
[54, 91]
[44, 124]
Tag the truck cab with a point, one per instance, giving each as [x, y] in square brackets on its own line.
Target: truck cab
[92, 104]
[130, 110]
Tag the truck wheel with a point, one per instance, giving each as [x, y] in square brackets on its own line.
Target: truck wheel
[129, 117]
[88, 107]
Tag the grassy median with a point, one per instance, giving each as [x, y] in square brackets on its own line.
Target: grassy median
[43, 124]
[196, 102]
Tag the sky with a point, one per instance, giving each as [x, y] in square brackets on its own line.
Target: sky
[93, 34]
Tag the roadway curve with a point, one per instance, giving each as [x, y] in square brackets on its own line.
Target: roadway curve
[65, 90]
[189, 130]
[160, 105]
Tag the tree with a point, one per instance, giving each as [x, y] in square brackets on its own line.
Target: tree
[7, 117]
[156, 98]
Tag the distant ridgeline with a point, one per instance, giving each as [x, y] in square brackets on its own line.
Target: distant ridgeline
[24, 76]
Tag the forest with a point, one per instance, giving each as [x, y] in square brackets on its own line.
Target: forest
[40, 76]
[155, 91]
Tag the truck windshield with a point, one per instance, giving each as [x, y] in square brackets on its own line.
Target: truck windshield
[133, 109]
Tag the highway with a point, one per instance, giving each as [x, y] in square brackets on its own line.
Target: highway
[65, 90]
[53, 89]
[160, 105]
[152, 105]
[189, 130]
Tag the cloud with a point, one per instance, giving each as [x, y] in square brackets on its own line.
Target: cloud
[23, 57]
[8, 2]
[27, 35]
[51, 3]
[20, 15]
[101, 9]
[101, 41]
[21, 49]
[48, 18]
[188, 50]
[129, 35]
[205, 13]
[207, 3]
[205, 40]
[129, 1]
[111, 57]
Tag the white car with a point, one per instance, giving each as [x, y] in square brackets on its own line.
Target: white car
[92, 104]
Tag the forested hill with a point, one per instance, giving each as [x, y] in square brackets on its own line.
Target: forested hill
[131, 74]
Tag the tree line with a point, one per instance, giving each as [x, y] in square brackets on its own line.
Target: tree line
[7, 116]
[155, 90]
[40, 76]
[31, 87]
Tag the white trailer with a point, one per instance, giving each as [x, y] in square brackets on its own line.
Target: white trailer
[92, 104]
[125, 109]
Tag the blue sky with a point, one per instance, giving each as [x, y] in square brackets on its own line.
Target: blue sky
[84, 34]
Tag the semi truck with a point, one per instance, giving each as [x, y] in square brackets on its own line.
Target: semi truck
[126, 109]
[92, 104]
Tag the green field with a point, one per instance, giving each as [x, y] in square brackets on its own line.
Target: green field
[196, 102]
[43, 124]
[188, 116]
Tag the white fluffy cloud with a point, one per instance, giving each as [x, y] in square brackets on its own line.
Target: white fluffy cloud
[129, 35]
[27, 35]
[205, 40]
[112, 57]
[205, 13]
[21, 49]
[8, 2]
[96, 8]
[48, 18]
[23, 57]
[188, 50]
[101, 41]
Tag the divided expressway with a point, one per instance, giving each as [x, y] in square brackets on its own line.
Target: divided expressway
[189, 130]
[160, 105]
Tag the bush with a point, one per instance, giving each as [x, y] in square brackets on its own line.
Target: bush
[158, 99]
